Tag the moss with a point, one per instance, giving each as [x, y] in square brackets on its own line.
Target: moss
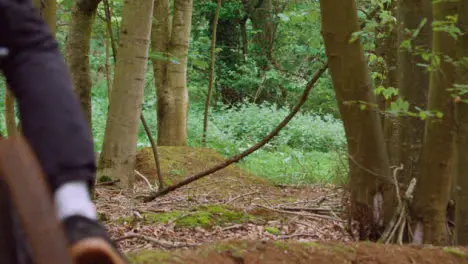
[236, 250]
[343, 249]
[273, 230]
[104, 179]
[149, 257]
[202, 216]
[281, 244]
[310, 244]
[102, 217]
[455, 251]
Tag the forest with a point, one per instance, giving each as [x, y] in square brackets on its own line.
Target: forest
[273, 131]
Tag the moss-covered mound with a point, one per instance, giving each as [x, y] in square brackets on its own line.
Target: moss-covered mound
[179, 162]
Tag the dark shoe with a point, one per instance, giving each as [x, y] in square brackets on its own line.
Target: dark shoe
[90, 243]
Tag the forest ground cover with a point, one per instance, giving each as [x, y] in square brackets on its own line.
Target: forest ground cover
[233, 216]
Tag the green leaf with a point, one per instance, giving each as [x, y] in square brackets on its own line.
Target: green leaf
[355, 36]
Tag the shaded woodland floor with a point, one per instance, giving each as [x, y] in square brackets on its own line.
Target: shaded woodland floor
[235, 217]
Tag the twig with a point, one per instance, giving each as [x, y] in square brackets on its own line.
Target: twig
[241, 196]
[252, 149]
[145, 179]
[395, 181]
[399, 221]
[297, 235]
[232, 227]
[158, 242]
[313, 216]
[307, 209]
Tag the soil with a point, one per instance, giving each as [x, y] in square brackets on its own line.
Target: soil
[233, 216]
[247, 252]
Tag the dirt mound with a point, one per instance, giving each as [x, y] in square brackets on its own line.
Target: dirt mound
[296, 252]
[177, 163]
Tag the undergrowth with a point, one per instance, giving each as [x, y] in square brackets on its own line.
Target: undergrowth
[308, 150]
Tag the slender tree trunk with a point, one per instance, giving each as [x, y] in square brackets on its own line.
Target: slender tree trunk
[245, 41]
[461, 216]
[119, 149]
[413, 82]
[108, 68]
[432, 192]
[173, 99]
[77, 50]
[368, 159]
[212, 71]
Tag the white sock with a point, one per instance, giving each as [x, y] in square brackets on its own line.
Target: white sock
[73, 199]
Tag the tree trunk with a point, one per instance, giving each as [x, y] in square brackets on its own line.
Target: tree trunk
[368, 159]
[160, 37]
[48, 10]
[77, 51]
[261, 14]
[173, 102]
[119, 149]
[461, 216]
[432, 192]
[212, 72]
[413, 83]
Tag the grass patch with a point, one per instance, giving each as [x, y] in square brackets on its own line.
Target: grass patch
[273, 230]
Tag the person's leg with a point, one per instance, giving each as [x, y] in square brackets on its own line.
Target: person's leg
[52, 119]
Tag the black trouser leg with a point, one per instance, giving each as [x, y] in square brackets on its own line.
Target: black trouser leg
[51, 116]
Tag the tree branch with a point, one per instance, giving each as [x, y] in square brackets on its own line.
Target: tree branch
[249, 151]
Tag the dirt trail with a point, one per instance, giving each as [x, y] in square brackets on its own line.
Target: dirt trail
[244, 252]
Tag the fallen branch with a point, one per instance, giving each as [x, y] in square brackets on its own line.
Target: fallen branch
[309, 215]
[308, 209]
[107, 183]
[145, 179]
[158, 242]
[399, 221]
[249, 151]
[296, 235]
[241, 196]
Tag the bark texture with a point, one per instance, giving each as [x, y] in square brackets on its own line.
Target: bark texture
[432, 192]
[77, 50]
[461, 217]
[172, 92]
[119, 149]
[368, 160]
[48, 10]
[413, 83]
